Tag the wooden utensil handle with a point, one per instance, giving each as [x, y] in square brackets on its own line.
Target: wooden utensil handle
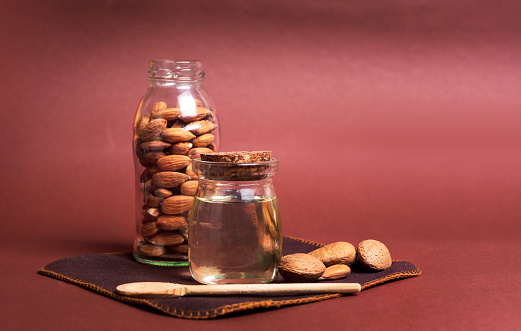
[273, 289]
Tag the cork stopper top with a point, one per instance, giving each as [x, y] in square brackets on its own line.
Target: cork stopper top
[237, 157]
[236, 166]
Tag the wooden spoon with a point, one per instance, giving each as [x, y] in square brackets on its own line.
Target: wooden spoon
[169, 290]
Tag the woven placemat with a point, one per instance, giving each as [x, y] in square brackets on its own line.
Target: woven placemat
[101, 273]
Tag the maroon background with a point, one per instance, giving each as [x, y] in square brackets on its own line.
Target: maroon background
[398, 121]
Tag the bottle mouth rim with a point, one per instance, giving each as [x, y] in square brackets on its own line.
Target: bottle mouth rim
[182, 70]
[175, 62]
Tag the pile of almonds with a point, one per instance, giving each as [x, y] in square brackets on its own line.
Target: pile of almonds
[333, 261]
[166, 141]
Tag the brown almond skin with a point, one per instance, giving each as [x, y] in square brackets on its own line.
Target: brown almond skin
[300, 268]
[172, 222]
[153, 130]
[200, 127]
[158, 106]
[336, 271]
[189, 187]
[149, 229]
[204, 140]
[149, 186]
[180, 148]
[181, 249]
[177, 204]
[143, 121]
[212, 146]
[151, 158]
[163, 193]
[190, 172]
[167, 239]
[373, 255]
[169, 179]
[148, 173]
[173, 162]
[196, 152]
[340, 252]
[154, 145]
[152, 201]
[169, 114]
[151, 250]
[175, 135]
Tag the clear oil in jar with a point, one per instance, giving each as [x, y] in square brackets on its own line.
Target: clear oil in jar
[234, 240]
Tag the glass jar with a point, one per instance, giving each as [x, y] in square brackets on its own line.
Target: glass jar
[175, 122]
[235, 232]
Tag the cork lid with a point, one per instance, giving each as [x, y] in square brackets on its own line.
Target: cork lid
[237, 157]
[236, 166]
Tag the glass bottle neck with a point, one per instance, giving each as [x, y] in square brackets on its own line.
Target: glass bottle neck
[175, 72]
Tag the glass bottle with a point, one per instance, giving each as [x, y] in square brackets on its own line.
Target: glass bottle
[175, 122]
[235, 232]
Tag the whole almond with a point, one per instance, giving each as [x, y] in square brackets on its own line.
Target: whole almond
[167, 238]
[374, 255]
[300, 267]
[200, 127]
[153, 130]
[203, 140]
[336, 271]
[149, 229]
[151, 250]
[154, 145]
[163, 193]
[180, 148]
[340, 252]
[194, 115]
[176, 204]
[175, 135]
[169, 179]
[195, 153]
[169, 114]
[173, 162]
[189, 187]
[171, 222]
